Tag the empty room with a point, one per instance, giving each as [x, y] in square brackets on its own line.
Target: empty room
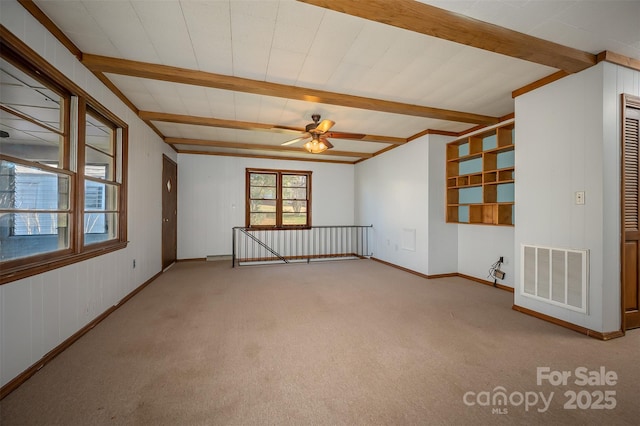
[253, 212]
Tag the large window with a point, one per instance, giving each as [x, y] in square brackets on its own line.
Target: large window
[278, 198]
[61, 169]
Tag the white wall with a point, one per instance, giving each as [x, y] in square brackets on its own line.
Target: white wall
[211, 198]
[443, 237]
[568, 140]
[40, 312]
[480, 246]
[401, 193]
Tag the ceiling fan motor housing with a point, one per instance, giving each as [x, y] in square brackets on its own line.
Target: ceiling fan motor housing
[311, 126]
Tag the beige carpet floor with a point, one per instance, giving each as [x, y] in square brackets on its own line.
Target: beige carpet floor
[349, 342]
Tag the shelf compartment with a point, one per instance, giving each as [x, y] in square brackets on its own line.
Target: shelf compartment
[458, 214]
[475, 179]
[470, 195]
[453, 151]
[490, 177]
[481, 213]
[504, 214]
[453, 196]
[499, 193]
[506, 135]
[451, 182]
[470, 166]
[506, 175]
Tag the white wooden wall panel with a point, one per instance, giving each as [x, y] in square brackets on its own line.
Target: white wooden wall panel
[479, 247]
[38, 313]
[574, 123]
[392, 192]
[38, 348]
[442, 236]
[211, 199]
[16, 334]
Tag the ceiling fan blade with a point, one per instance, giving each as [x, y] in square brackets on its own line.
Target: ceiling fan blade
[326, 142]
[341, 135]
[324, 126]
[292, 141]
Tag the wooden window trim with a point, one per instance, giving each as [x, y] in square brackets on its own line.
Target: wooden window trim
[279, 173]
[25, 58]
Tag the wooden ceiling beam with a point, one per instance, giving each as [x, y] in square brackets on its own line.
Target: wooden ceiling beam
[246, 125]
[432, 21]
[236, 145]
[317, 158]
[238, 84]
[216, 122]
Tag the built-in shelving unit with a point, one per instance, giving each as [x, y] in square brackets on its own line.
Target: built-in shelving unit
[480, 177]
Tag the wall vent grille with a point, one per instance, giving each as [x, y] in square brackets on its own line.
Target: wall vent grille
[556, 276]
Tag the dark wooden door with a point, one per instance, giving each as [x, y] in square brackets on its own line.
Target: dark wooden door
[630, 212]
[169, 211]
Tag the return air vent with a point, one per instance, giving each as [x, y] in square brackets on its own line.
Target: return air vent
[556, 276]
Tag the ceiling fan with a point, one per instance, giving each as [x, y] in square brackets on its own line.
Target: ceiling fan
[318, 132]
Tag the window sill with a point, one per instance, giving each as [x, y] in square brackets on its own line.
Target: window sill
[19, 272]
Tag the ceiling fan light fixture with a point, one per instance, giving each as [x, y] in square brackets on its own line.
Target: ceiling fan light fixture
[315, 146]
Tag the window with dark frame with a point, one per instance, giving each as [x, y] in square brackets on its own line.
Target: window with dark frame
[278, 198]
[62, 176]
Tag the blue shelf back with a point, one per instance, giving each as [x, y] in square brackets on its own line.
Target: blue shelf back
[506, 193]
[463, 213]
[489, 142]
[470, 195]
[463, 150]
[506, 159]
[470, 166]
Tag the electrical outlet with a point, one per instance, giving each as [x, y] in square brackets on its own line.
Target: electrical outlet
[501, 259]
[579, 197]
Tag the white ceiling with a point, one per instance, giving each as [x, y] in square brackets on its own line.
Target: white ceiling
[297, 44]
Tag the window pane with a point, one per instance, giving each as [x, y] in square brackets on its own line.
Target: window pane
[29, 188]
[29, 141]
[37, 233]
[99, 135]
[294, 193]
[100, 196]
[294, 218]
[294, 180]
[98, 164]
[265, 192]
[262, 179]
[262, 206]
[262, 219]
[294, 206]
[100, 227]
[24, 94]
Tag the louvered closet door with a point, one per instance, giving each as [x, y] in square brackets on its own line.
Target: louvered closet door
[630, 209]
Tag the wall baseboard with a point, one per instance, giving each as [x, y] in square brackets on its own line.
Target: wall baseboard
[592, 333]
[451, 274]
[485, 282]
[578, 328]
[25, 375]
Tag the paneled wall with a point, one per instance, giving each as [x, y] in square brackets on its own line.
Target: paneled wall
[568, 140]
[211, 198]
[40, 312]
[402, 194]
